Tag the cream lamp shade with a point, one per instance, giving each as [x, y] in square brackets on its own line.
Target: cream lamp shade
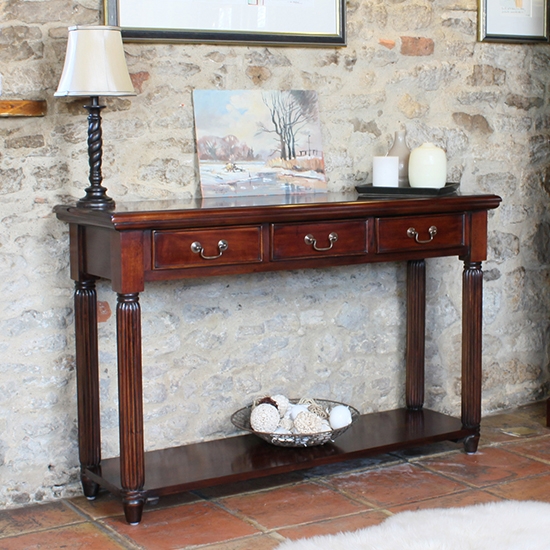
[95, 64]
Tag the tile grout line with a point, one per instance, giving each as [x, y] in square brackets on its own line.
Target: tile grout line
[106, 529]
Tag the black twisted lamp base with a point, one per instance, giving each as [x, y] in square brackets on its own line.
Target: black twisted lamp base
[96, 197]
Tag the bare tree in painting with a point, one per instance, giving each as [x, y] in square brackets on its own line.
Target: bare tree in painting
[289, 112]
[208, 147]
[272, 101]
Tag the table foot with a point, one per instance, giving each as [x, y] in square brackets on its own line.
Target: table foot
[470, 444]
[133, 503]
[89, 487]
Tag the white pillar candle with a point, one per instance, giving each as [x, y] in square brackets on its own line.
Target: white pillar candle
[385, 171]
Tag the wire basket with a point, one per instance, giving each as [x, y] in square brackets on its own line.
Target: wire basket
[241, 419]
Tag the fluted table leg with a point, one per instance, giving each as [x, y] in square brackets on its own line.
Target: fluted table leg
[132, 465]
[87, 381]
[416, 324]
[472, 321]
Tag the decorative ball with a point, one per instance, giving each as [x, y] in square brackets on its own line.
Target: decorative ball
[282, 403]
[286, 423]
[339, 416]
[264, 418]
[295, 410]
[308, 423]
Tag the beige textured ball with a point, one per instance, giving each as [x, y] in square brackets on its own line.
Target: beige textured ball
[308, 423]
[264, 418]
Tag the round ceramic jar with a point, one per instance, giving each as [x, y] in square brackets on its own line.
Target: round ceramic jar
[428, 166]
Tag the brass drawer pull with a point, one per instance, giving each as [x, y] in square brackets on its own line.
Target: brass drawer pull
[197, 248]
[310, 239]
[411, 232]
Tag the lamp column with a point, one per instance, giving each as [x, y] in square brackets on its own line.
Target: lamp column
[96, 195]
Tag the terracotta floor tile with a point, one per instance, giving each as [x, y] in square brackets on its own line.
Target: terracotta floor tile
[396, 485]
[456, 500]
[487, 467]
[286, 506]
[104, 505]
[334, 526]
[83, 536]
[107, 505]
[34, 518]
[181, 526]
[532, 488]
[262, 542]
[534, 448]
[510, 427]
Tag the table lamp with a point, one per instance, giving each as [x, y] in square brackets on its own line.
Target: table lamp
[95, 66]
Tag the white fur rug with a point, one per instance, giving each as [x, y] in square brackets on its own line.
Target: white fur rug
[508, 525]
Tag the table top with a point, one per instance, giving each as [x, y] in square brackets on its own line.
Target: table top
[266, 209]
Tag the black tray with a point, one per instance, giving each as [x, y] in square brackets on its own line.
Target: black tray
[405, 192]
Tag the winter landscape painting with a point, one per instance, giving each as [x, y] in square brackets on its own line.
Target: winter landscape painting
[254, 142]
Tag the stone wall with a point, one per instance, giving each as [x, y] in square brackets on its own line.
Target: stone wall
[211, 346]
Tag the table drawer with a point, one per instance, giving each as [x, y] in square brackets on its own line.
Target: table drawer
[207, 247]
[314, 240]
[420, 233]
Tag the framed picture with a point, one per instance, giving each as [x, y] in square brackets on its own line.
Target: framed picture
[513, 21]
[299, 22]
[258, 143]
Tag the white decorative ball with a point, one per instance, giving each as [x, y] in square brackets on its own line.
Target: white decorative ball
[264, 418]
[295, 410]
[340, 416]
[282, 403]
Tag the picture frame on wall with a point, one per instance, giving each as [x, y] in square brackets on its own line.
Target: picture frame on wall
[278, 22]
[513, 21]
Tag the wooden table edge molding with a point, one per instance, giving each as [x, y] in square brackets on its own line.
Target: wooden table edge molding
[139, 243]
[22, 107]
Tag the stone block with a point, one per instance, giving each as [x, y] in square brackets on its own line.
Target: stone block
[417, 46]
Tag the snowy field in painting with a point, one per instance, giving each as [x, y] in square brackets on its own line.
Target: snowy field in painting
[254, 178]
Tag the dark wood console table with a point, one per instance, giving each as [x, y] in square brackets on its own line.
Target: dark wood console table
[157, 241]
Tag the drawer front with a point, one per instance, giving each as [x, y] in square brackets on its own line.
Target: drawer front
[206, 248]
[315, 240]
[420, 233]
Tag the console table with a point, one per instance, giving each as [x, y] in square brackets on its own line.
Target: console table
[165, 240]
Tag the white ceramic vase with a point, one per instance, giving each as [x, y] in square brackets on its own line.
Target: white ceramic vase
[428, 166]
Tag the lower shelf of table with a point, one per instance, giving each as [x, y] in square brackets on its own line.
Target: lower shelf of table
[180, 469]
